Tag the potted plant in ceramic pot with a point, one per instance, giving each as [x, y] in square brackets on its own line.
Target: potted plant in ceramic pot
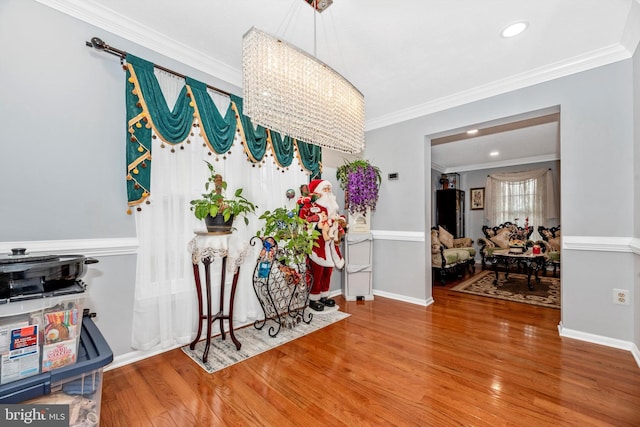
[217, 210]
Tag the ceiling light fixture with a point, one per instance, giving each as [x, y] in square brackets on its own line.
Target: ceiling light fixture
[494, 153]
[514, 29]
[289, 91]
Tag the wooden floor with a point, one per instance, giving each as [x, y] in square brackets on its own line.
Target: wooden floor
[465, 360]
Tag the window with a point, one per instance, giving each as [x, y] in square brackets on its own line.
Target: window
[519, 196]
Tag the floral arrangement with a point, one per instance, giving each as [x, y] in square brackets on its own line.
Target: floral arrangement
[361, 181]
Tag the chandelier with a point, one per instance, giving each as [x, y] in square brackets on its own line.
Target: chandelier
[289, 91]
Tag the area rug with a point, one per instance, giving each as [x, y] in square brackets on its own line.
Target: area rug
[223, 353]
[546, 293]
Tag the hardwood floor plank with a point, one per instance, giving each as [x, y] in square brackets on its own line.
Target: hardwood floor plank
[465, 360]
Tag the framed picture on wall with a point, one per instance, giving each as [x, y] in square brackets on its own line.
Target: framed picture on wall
[477, 198]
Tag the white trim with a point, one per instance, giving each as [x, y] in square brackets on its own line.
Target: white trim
[597, 243]
[408, 236]
[635, 245]
[601, 340]
[636, 353]
[404, 298]
[438, 167]
[87, 247]
[574, 243]
[587, 61]
[500, 164]
[129, 29]
[138, 355]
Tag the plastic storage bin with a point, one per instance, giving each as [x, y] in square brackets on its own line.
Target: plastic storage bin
[39, 335]
[78, 385]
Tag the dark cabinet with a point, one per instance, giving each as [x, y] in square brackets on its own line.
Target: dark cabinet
[450, 211]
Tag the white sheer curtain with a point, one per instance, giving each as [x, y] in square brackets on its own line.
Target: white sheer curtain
[528, 194]
[165, 306]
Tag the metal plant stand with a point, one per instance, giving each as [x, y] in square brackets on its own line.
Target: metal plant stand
[283, 291]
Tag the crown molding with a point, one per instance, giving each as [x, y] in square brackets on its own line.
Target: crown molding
[438, 167]
[122, 26]
[500, 164]
[631, 33]
[576, 64]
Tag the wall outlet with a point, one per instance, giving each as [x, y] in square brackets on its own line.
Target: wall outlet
[621, 296]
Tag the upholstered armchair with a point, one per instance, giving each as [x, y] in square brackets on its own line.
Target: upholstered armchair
[501, 237]
[551, 242]
[449, 254]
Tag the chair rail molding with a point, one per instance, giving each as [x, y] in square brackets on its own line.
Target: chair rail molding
[88, 247]
[600, 243]
[408, 236]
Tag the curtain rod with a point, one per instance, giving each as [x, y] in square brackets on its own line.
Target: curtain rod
[98, 44]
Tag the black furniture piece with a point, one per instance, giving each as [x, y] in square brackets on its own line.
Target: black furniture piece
[533, 263]
[282, 290]
[488, 245]
[450, 211]
[551, 244]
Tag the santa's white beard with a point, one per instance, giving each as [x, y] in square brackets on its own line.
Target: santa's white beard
[328, 200]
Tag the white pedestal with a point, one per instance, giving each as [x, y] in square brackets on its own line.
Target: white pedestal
[358, 273]
[359, 223]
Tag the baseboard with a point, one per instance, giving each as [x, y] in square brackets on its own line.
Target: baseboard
[137, 355]
[601, 340]
[404, 298]
[636, 353]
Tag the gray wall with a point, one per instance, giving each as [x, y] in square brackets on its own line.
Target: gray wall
[63, 151]
[597, 175]
[63, 168]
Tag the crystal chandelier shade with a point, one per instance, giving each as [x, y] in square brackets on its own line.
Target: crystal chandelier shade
[291, 92]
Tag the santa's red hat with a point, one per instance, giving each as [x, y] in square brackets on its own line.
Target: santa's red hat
[318, 184]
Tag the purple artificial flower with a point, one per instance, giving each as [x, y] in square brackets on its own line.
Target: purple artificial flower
[362, 189]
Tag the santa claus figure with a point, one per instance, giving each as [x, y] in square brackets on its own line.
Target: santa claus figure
[320, 208]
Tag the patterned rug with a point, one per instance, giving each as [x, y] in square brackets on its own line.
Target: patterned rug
[223, 353]
[546, 293]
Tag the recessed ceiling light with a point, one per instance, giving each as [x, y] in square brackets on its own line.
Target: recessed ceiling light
[494, 153]
[514, 29]
[472, 131]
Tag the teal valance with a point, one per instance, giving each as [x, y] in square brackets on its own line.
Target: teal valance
[147, 110]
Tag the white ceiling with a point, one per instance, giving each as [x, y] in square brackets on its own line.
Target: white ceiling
[527, 145]
[408, 57]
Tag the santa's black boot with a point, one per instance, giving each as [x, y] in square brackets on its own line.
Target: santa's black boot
[316, 305]
[329, 302]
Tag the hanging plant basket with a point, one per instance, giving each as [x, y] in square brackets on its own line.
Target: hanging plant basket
[361, 182]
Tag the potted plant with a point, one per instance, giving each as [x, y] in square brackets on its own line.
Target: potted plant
[360, 181]
[293, 235]
[217, 210]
